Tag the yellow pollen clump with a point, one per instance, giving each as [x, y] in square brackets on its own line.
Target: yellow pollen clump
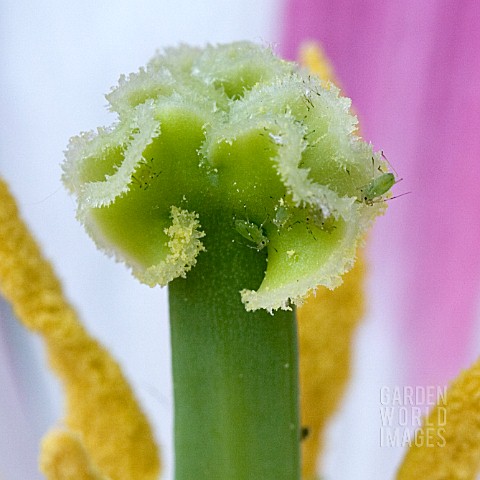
[184, 243]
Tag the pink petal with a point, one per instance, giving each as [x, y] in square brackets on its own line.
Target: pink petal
[413, 71]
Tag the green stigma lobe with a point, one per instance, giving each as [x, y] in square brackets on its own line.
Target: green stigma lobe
[230, 131]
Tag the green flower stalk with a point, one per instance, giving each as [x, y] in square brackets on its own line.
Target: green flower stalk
[239, 180]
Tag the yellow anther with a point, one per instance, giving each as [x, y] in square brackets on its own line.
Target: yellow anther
[326, 325]
[63, 457]
[312, 56]
[447, 447]
[101, 407]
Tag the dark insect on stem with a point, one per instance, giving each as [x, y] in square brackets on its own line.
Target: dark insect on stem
[304, 433]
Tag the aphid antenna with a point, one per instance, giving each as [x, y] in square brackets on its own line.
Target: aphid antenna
[396, 196]
[389, 164]
[381, 200]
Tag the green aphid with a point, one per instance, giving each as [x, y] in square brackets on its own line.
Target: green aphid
[377, 187]
[281, 216]
[145, 174]
[317, 219]
[253, 233]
